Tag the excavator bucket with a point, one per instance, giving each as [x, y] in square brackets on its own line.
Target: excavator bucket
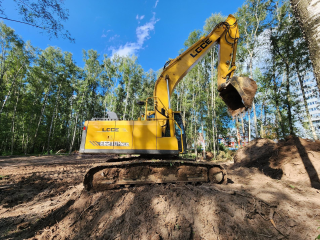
[239, 94]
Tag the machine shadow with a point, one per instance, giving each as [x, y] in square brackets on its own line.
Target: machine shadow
[258, 155]
[273, 158]
[310, 169]
[27, 189]
[178, 211]
[48, 221]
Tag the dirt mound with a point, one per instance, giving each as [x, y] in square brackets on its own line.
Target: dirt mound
[172, 212]
[43, 198]
[295, 160]
[209, 156]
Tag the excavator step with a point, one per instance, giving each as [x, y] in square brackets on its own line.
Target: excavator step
[115, 174]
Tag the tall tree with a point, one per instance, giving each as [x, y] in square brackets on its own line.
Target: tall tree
[307, 13]
[251, 17]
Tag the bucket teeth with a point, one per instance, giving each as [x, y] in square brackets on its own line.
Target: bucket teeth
[239, 94]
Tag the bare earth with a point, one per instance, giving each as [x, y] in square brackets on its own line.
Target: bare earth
[273, 193]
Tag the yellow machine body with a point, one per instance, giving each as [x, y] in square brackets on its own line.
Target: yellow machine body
[127, 137]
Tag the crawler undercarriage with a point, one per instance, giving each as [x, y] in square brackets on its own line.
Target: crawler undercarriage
[141, 171]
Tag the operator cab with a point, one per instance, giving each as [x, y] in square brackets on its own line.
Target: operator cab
[166, 133]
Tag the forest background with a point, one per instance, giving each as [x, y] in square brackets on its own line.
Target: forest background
[46, 97]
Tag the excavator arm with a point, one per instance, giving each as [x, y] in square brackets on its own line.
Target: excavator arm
[237, 93]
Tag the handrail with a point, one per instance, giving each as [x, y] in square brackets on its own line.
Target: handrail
[146, 108]
[181, 136]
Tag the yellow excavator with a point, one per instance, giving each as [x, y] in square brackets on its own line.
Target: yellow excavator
[159, 135]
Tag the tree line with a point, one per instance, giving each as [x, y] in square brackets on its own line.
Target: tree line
[46, 97]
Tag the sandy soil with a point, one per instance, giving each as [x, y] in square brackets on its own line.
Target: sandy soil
[43, 198]
[294, 160]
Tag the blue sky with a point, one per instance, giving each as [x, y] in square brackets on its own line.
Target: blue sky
[153, 30]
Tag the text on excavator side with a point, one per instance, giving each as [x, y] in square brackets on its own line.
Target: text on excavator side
[201, 47]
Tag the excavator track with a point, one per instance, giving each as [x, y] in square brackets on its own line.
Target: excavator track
[113, 175]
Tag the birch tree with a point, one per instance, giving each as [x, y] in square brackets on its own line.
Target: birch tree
[307, 13]
[251, 17]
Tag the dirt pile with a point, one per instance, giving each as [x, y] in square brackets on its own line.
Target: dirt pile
[43, 198]
[173, 212]
[209, 156]
[294, 160]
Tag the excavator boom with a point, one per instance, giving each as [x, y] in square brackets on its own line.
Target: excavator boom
[236, 92]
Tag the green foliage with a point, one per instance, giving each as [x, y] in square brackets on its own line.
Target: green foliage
[224, 156]
[199, 149]
[46, 15]
[212, 21]
[46, 97]
[4, 177]
[177, 227]
[223, 148]
[318, 235]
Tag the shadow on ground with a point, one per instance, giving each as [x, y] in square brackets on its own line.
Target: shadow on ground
[29, 229]
[28, 188]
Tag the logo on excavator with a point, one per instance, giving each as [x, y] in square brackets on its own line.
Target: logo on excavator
[110, 129]
[113, 130]
[201, 47]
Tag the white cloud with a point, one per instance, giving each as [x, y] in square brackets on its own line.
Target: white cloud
[105, 34]
[113, 37]
[155, 5]
[126, 50]
[139, 17]
[143, 33]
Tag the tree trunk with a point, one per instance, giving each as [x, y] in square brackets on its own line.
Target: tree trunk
[213, 103]
[253, 104]
[306, 104]
[9, 93]
[288, 100]
[261, 117]
[52, 119]
[217, 139]
[74, 133]
[13, 121]
[29, 130]
[193, 118]
[242, 125]
[255, 119]
[42, 113]
[278, 112]
[238, 132]
[307, 13]
[249, 123]
[203, 145]
[132, 110]
[127, 97]
[22, 144]
[195, 140]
